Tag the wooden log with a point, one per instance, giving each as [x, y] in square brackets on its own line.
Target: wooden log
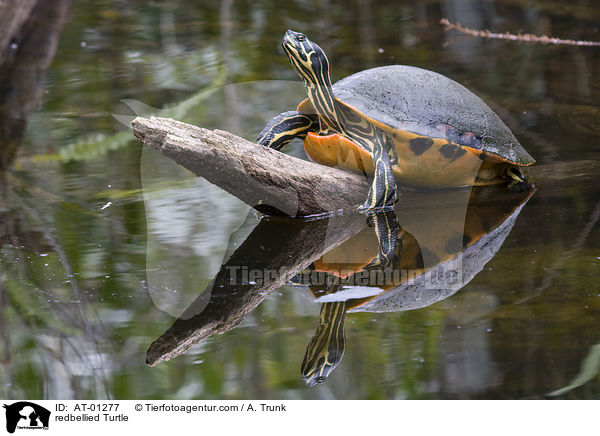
[265, 179]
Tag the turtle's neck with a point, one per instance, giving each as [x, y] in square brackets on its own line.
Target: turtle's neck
[320, 93]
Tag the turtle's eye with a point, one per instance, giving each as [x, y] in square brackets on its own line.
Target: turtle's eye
[300, 38]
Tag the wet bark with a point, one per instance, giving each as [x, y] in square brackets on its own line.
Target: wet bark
[265, 179]
[29, 31]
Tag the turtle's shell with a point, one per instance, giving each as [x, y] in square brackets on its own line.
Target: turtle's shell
[426, 103]
[429, 104]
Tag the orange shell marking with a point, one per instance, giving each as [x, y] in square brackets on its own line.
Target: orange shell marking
[428, 168]
[337, 151]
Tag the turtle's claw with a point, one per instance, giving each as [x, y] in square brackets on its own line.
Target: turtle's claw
[386, 204]
[366, 208]
[374, 263]
[516, 175]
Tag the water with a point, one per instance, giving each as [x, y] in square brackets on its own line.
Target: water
[105, 244]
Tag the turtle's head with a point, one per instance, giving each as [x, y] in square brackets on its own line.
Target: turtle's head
[308, 59]
[326, 348]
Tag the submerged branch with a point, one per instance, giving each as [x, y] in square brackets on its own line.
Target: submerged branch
[524, 37]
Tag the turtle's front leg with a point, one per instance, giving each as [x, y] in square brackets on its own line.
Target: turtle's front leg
[287, 126]
[382, 194]
[386, 229]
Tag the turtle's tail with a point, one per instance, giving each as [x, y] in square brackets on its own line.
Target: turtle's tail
[516, 175]
[517, 181]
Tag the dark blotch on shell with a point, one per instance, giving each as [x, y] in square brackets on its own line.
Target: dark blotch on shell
[420, 145]
[466, 240]
[454, 245]
[429, 257]
[418, 262]
[451, 151]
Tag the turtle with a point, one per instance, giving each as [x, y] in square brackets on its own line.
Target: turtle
[395, 122]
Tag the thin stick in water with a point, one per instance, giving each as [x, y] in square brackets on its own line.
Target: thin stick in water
[524, 37]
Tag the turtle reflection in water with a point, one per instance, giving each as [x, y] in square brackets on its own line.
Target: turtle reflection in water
[428, 268]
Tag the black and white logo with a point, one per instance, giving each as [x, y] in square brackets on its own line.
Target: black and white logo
[26, 415]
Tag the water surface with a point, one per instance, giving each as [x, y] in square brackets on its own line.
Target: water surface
[105, 244]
